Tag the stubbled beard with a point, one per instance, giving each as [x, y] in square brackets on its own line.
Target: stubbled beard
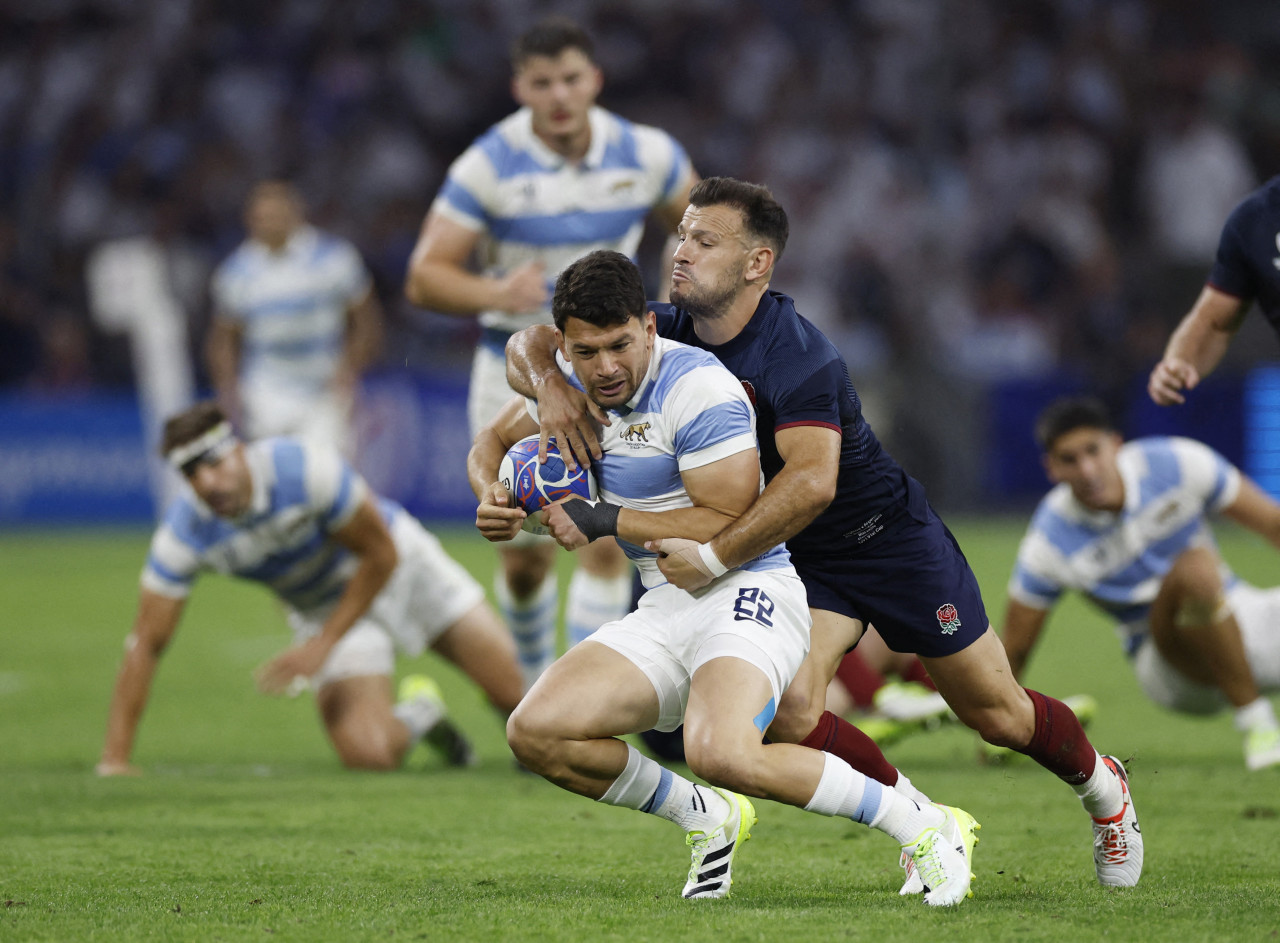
[707, 304]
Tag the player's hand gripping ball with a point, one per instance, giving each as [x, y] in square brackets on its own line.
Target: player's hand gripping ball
[534, 486]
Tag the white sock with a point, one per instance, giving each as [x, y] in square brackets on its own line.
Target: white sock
[419, 714]
[1256, 715]
[532, 622]
[593, 601]
[646, 786]
[842, 790]
[908, 789]
[1101, 794]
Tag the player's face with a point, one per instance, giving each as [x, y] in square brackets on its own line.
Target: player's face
[710, 261]
[1086, 460]
[559, 90]
[223, 483]
[272, 215]
[610, 361]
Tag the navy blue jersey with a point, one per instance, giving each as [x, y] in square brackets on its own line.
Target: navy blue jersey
[1248, 261]
[795, 376]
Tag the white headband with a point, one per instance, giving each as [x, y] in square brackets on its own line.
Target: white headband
[215, 439]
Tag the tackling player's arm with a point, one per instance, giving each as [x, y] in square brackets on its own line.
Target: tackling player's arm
[153, 627]
[438, 277]
[800, 491]
[366, 536]
[1022, 627]
[720, 492]
[496, 518]
[1197, 345]
[222, 354]
[1256, 510]
[564, 411]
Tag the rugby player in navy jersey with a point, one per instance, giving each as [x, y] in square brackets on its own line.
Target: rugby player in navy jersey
[1246, 269]
[862, 535]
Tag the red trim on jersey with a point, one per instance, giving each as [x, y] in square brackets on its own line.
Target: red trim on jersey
[1223, 291]
[823, 425]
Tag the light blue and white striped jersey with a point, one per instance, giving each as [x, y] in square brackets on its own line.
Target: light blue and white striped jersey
[292, 306]
[689, 411]
[301, 494]
[531, 204]
[1118, 561]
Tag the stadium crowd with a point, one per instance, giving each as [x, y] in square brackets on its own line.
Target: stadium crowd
[989, 189]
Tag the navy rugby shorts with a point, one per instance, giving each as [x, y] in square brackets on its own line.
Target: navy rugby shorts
[912, 583]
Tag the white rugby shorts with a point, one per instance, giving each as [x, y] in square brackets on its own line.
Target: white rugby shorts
[1257, 612]
[273, 410]
[428, 592]
[760, 617]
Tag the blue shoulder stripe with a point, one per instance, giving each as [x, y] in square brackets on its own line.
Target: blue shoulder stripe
[290, 486]
[567, 228]
[1063, 535]
[172, 577]
[507, 161]
[462, 198]
[720, 422]
[1163, 471]
[676, 362]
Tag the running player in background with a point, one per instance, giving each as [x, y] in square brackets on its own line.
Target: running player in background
[1126, 526]
[360, 579]
[295, 322]
[544, 186]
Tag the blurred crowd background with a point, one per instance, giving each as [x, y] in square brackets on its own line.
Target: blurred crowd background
[981, 191]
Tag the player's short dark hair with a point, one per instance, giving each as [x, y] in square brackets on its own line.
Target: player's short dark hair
[190, 424]
[603, 288]
[763, 216]
[1068, 414]
[550, 37]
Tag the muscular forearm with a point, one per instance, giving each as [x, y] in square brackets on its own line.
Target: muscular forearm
[531, 360]
[696, 523]
[1200, 344]
[787, 506]
[450, 289]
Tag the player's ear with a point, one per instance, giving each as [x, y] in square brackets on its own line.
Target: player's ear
[759, 263]
[651, 324]
[561, 343]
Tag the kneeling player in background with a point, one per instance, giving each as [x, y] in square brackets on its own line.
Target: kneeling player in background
[359, 577]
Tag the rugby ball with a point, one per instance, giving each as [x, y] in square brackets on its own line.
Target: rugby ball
[534, 486]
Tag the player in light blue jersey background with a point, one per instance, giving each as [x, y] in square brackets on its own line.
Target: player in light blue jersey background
[1126, 526]
[359, 576]
[557, 179]
[295, 322]
[680, 456]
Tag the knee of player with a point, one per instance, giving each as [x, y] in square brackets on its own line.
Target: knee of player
[368, 755]
[1196, 578]
[533, 741]
[728, 768]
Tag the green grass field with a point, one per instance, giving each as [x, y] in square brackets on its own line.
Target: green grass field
[245, 827]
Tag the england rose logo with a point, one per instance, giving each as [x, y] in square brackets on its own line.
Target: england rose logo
[948, 618]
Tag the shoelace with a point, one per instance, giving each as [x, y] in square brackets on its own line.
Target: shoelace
[927, 863]
[698, 841]
[1111, 842]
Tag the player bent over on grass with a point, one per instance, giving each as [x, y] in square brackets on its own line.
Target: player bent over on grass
[860, 530]
[718, 659]
[359, 576]
[1127, 526]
